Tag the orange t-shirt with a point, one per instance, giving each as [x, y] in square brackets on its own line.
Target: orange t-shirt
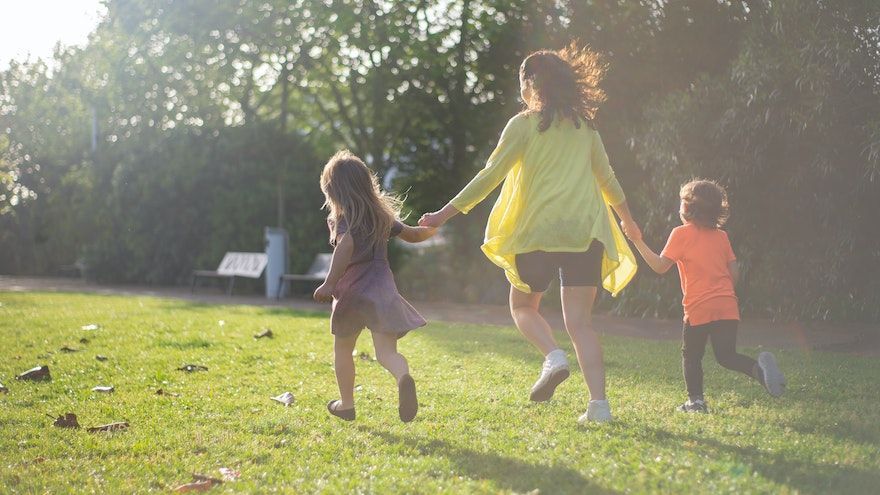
[702, 256]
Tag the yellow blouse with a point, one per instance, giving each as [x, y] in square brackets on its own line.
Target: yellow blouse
[557, 192]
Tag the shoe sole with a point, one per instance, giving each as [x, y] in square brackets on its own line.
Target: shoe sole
[545, 392]
[406, 395]
[774, 381]
[345, 414]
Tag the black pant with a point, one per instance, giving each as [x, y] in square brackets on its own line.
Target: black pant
[723, 335]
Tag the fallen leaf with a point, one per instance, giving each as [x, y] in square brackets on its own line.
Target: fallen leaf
[101, 358]
[68, 349]
[91, 326]
[83, 340]
[364, 356]
[230, 474]
[66, 421]
[221, 323]
[3, 389]
[189, 368]
[163, 392]
[267, 333]
[121, 425]
[286, 398]
[103, 389]
[195, 486]
[36, 374]
[358, 388]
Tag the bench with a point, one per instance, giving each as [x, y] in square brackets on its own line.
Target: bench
[233, 264]
[317, 272]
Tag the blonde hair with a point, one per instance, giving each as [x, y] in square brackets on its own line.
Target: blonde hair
[352, 193]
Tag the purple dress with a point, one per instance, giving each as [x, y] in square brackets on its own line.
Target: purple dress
[366, 295]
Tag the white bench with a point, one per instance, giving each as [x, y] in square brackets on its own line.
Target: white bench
[234, 264]
[317, 272]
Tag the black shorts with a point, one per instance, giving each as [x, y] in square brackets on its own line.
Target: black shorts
[584, 269]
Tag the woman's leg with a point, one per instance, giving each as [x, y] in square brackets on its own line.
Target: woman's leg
[343, 363]
[577, 309]
[387, 355]
[533, 326]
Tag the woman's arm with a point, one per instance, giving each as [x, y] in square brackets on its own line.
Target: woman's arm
[416, 234]
[341, 258]
[629, 226]
[508, 152]
[657, 263]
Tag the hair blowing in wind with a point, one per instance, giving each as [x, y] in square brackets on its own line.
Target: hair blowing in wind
[566, 84]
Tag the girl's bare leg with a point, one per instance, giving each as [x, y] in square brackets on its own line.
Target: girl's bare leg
[387, 355]
[344, 366]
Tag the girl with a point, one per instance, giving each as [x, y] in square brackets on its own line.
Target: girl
[553, 214]
[360, 283]
[708, 272]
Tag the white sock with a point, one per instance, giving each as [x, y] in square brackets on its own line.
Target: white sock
[557, 356]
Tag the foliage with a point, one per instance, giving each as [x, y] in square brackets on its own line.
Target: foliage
[214, 116]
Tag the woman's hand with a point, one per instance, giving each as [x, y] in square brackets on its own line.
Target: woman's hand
[324, 293]
[631, 230]
[432, 220]
[438, 218]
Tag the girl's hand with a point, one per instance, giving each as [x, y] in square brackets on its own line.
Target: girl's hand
[631, 230]
[324, 293]
[433, 220]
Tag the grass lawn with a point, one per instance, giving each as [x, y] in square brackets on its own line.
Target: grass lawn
[476, 432]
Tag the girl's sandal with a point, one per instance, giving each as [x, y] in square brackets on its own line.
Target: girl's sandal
[408, 402]
[346, 414]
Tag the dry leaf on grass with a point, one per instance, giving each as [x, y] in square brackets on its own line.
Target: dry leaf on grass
[121, 425]
[65, 421]
[101, 358]
[40, 373]
[68, 349]
[189, 368]
[267, 334]
[286, 398]
[230, 474]
[163, 392]
[103, 389]
[83, 340]
[3, 389]
[91, 326]
[200, 483]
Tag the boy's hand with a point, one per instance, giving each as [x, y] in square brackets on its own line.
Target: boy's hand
[631, 230]
[324, 293]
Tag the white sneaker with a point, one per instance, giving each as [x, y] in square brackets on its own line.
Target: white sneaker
[598, 411]
[554, 372]
[774, 380]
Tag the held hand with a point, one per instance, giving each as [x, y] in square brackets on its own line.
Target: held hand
[324, 293]
[631, 230]
[433, 220]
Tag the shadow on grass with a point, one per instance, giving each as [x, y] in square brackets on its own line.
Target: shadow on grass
[803, 476]
[505, 472]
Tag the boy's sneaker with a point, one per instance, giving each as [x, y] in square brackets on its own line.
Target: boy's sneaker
[598, 411]
[774, 380]
[554, 372]
[694, 406]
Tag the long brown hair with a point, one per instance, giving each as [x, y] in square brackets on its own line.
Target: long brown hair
[352, 193]
[565, 83]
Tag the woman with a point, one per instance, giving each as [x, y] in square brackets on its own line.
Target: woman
[553, 214]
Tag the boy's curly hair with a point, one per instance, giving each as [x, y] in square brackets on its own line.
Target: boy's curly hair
[566, 84]
[704, 202]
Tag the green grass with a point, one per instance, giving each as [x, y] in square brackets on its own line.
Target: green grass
[476, 431]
